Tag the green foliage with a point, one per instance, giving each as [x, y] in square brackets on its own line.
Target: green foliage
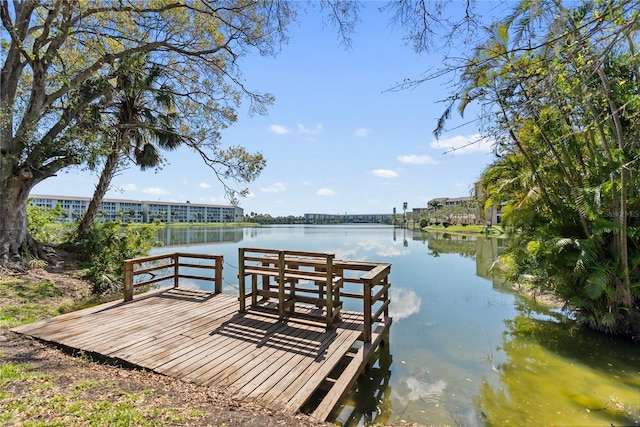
[566, 122]
[461, 214]
[57, 99]
[107, 246]
[43, 224]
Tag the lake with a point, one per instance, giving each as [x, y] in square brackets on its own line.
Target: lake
[465, 349]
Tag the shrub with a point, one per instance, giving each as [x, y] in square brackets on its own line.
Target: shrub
[107, 246]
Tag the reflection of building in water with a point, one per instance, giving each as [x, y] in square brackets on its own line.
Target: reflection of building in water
[485, 250]
[140, 211]
[184, 235]
[314, 218]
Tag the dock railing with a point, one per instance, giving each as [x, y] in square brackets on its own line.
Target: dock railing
[334, 280]
[371, 285]
[151, 270]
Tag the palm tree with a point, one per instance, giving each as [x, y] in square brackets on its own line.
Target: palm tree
[144, 123]
[434, 205]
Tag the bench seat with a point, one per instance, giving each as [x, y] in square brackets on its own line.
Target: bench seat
[291, 277]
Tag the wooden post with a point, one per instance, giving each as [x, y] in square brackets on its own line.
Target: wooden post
[266, 280]
[329, 290]
[385, 297]
[219, 261]
[366, 333]
[241, 289]
[254, 290]
[176, 274]
[281, 285]
[128, 280]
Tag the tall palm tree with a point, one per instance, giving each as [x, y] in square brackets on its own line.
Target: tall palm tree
[143, 122]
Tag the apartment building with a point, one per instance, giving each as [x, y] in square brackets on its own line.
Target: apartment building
[140, 211]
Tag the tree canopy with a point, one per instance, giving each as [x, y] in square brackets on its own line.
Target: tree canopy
[560, 88]
[56, 82]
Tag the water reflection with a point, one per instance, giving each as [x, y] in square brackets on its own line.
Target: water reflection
[443, 243]
[197, 235]
[414, 389]
[404, 303]
[370, 401]
[467, 350]
[596, 383]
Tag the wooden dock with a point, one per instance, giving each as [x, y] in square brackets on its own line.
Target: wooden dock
[202, 337]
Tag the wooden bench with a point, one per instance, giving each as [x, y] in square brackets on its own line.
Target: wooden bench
[290, 278]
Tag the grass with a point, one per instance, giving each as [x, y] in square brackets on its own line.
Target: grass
[25, 301]
[83, 403]
[25, 313]
[29, 397]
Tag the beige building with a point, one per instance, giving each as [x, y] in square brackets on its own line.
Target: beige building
[140, 210]
[491, 216]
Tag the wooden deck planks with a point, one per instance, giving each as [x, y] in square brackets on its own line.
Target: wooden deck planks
[182, 338]
[299, 370]
[173, 338]
[251, 358]
[200, 337]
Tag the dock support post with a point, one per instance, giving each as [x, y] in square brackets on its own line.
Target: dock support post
[241, 289]
[128, 280]
[366, 333]
[176, 274]
[281, 285]
[329, 290]
[219, 260]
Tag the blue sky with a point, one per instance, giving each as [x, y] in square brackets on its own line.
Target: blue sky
[336, 140]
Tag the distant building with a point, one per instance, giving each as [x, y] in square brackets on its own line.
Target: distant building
[492, 215]
[446, 202]
[140, 211]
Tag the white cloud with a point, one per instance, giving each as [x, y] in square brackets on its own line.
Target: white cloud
[464, 144]
[362, 132]
[154, 190]
[385, 173]
[276, 187]
[278, 129]
[415, 159]
[204, 185]
[129, 187]
[325, 192]
[313, 131]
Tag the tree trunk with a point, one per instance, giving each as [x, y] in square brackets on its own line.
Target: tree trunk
[623, 291]
[98, 194]
[14, 234]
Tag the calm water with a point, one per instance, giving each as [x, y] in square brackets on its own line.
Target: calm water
[465, 350]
